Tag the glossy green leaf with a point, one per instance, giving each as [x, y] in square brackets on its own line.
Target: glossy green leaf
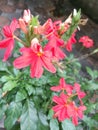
[90, 122]
[68, 125]
[30, 89]
[29, 117]
[2, 65]
[21, 95]
[4, 78]
[2, 110]
[43, 119]
[12, 114]
[90, 72]
[54, 125]
[50, 115]
[42, 127]
[8, 86]
[93, 86]
[16, 126]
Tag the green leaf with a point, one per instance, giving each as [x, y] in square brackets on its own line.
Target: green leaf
[16, 71]
[50, 115]
[43, 123]
[54, 125]
[34, 21]
[29, 119]
[79, 127]
[2, 65]
[93, 86]
[95, 117]
[90, 122]
[90, 72]
[16, 126]
[12, 114]
[4, 78]
[30, 89]
[43, 119]
[21, 95]
[42, 127]
[67, 125]
[8, 86]
[2, 110]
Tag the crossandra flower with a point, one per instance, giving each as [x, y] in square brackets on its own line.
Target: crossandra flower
[70, 42]
[54, 46]
[80, 94]
[87, 42]
[36, 58]
[63, 86]
[8, 42]
[77, 113]
[65, 108]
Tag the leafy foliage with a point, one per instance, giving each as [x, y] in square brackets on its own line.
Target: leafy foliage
[26, 103]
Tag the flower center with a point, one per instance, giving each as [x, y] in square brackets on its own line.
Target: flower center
[39, 54]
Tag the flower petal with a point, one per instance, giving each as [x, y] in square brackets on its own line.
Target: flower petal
[47, 64]
[5, 43]
[36, 68]
[22, 61]
[9, 50]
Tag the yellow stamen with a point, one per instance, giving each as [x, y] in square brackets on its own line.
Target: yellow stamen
[39, 54]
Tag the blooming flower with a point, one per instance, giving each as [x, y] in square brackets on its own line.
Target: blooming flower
[54, 46]
[70, 42]
[63, 108]
[87, 42]
[77, 112]
[8, 43]
[62, 86]
[36, 58]
[79, 92]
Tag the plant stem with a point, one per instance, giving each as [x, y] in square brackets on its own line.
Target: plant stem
[19, 40]
[83, 57]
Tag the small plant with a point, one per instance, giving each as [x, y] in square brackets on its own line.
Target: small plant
[41, 87]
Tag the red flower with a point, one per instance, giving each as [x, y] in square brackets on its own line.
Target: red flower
[79, 92]
[8, 43]
[63, 86]
[36, 58]
[77, 112]
[63, 108]
[87, 42]
[54, 46]
[70, 42]
[47, 29]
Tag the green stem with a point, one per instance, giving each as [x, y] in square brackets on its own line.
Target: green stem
[19, 40]
[83, 57]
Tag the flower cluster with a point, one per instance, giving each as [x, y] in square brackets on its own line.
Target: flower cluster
[66, 107]
[42, 49]
[34, 53]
